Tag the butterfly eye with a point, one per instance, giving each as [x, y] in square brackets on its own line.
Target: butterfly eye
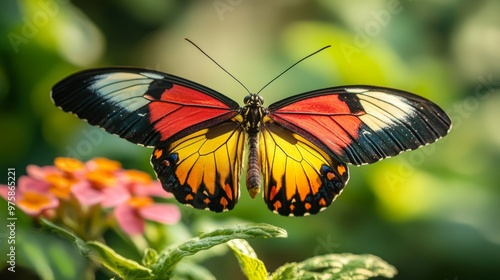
[253, 99]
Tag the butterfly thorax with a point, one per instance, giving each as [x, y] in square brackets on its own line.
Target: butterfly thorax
[252, 113]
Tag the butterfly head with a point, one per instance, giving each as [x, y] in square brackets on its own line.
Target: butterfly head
[253, 100]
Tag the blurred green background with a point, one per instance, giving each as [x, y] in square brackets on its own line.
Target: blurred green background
[432, 213]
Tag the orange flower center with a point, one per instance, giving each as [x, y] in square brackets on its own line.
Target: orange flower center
[106, 164]
[68, 165]
[137, 176]
[101, 179]
[33, 200]
[140, 201]
[59, 185]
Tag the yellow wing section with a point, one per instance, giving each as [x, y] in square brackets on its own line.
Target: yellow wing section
[299, 177]
[203, 169]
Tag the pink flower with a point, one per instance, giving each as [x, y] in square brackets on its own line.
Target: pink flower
[40, 172]
[100, 186]
[68, 171]
[140, 184]
[60, 191]
[131, 216]
[31, 195]
[88, 194]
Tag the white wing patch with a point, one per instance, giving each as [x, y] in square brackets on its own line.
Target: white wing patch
[152, 75]
[127, 89]
[384, 110]
[107, 79]
[356, 90]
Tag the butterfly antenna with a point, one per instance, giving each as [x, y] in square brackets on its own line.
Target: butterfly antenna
[304, 58]
[196, 46]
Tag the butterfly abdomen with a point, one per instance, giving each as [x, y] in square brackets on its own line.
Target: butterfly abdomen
[253, 169]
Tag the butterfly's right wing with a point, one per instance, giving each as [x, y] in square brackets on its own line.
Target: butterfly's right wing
[195, 130]
[143, 106]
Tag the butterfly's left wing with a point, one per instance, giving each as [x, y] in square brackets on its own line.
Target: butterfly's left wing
[299, 177]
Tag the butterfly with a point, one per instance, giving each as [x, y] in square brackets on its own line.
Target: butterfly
[298, 148]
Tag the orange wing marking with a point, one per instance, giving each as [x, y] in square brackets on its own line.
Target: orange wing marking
[158, 153]
[272, 193]
[341, 169]
[322, 202]
[224, 202]
[277, 205]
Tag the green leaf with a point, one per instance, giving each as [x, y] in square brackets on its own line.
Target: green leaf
[336, 267]
[253, 268]
[286, 271]
[47, 255]
[167, 260]
[119, 265]
[150, 256]
[80, 244]
[104, 255]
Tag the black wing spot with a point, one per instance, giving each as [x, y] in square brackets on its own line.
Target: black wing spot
[352, 101]
[157, 88]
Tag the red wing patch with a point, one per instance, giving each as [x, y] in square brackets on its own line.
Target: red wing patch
[361, 124]
[143, 106]
[180, 107]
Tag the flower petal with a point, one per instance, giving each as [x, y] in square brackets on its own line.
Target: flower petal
[101, 179]
[4, 191]
[60, 185]
[40, 172]
[135, 176]
[162, 213]
[129, 220]
[103, 164]
[33, 203]
[114, 196]
[26, 183]
[69, 165]
[152, 189]
[86, 194]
